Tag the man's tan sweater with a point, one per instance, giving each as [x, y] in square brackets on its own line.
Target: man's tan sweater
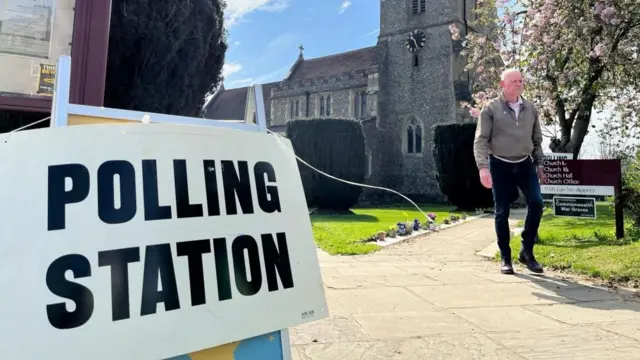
[501, 134]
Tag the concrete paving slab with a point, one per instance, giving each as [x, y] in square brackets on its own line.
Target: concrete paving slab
[507, 318]
[370, 270]
[330, 330]
[457, 277]
[374, 300]
[630, 329]
[437, 347]
[411, 324]
[495, 276]
[569, 343]
[364, 281]
[475, 296]
[590, 312]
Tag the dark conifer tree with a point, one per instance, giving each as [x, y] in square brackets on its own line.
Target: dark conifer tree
[164, 56]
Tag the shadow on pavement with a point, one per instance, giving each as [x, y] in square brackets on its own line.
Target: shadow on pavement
[583, 295]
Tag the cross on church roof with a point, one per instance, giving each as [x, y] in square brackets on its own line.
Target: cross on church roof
[301, 48]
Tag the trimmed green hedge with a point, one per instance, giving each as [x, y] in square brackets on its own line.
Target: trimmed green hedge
[336, 147]
[457, 172]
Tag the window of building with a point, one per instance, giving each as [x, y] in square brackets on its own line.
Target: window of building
[419, 6]
[416, 62]
[414, 138]
[325, 105]
[360, 105]
[291, 110]
[297, 108]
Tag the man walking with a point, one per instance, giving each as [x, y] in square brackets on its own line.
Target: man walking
[508, 153]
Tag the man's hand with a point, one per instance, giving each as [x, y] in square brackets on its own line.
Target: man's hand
[541, 174]
[485, 178]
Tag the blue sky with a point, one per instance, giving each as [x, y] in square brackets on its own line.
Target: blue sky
[264, 35]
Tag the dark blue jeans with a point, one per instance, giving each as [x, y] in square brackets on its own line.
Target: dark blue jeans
[507, 178]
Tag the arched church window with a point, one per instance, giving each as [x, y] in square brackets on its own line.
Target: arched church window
[321, 105]
[298, 108]
[414, 137]
[418, 142]
[328, 105]
[360, 105]
[414, 7]
[291, 109]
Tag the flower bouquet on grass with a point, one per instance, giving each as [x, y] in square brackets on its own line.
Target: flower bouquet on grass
[431, 217]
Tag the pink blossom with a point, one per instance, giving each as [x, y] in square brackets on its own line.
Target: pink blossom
[598, 8]
[532, 11]
[480, 69]
[481, 96]
[598, 51]
[475, 112]
[507, 18]
[608, 14]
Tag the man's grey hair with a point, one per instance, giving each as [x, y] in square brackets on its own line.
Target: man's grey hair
[507, 72]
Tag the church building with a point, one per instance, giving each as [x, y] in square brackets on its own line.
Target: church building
[411, 79]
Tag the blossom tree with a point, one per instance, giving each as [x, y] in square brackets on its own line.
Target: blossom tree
[577, 57]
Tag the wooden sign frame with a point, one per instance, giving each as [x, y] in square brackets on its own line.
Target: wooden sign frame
[65, 113]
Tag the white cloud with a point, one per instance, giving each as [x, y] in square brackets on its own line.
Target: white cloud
[345, 4]
[230, 69]
[237, 9]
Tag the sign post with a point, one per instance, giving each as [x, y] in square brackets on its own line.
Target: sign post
[586, 178]
[153, 236]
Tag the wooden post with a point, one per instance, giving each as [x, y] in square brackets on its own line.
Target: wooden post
[619, 212]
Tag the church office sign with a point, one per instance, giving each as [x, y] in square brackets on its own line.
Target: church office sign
[149, 251]
[581, 177]
[587, 178]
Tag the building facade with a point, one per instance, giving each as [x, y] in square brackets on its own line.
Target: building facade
[410, 80]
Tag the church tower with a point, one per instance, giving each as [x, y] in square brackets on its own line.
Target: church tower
[421, 82]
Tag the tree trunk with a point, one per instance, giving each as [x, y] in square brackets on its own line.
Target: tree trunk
[580, 130]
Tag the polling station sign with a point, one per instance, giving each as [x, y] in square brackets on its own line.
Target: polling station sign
[150, 241]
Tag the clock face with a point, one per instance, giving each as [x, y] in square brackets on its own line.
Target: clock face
[416, 40]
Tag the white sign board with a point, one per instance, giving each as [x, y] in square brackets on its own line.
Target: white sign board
[150, 241]
[558, 156]
[578, 190]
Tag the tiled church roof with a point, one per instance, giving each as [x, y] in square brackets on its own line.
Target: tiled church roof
[230, 104]
[335, 64]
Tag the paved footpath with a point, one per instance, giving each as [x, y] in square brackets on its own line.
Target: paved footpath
[433, 298]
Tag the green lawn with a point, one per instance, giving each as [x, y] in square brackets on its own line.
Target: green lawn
[588, 247]
[342, 234]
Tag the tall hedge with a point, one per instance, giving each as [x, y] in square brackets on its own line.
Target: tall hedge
[457, 172]
[336, 147]
[630, 196]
